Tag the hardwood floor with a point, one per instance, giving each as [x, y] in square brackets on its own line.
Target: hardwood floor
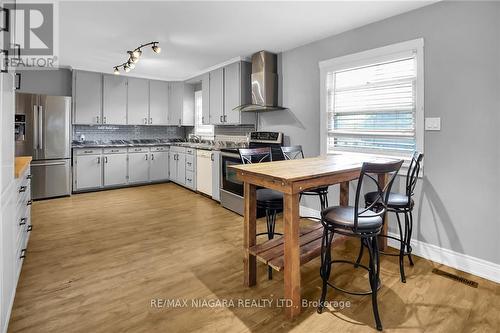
[97, 260]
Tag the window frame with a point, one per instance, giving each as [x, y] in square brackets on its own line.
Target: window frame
[365, 58]
[204, 135]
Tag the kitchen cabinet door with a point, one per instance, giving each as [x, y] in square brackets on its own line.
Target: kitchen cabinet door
[216, 93]
[172, 166]
[158, 169]
[87, 97]
[138, 101]
[181, 168]
[138, 168]
[205, 97]
[88, 172]
[115, 100]
[115, 169]
[158, 102]
[232, 93]
[175, 103]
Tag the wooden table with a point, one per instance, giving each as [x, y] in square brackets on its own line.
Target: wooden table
[300, 246]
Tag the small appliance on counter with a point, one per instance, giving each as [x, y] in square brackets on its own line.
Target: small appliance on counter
[42, 131]
[231, 189]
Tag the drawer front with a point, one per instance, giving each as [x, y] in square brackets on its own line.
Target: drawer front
[190, 162]
[138, 150]
[190, 151]
[89, 151]
[115, 150]
[177, 149]
[161, 148]
[190, 179]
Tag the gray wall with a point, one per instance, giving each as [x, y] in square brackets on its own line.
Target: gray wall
[459, 193]
[48, 82]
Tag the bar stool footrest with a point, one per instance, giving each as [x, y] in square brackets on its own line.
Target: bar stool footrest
[359, 293]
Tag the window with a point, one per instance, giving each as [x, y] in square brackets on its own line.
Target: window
[199, 128]
[373, 101]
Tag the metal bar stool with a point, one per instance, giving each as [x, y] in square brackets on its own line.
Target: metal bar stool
[401, 204]
[269, 200]
[364, 223]
[296, 152]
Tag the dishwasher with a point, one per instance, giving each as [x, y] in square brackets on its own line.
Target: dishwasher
[204, 171]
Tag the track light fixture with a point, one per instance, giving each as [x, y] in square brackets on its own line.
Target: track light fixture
[133, 57]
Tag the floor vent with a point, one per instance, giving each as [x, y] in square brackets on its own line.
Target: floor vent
[457, 278]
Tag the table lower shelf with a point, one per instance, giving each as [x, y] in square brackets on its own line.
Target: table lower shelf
[271, 252]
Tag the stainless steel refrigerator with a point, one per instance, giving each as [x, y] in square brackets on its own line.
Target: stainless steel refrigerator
[43, 126]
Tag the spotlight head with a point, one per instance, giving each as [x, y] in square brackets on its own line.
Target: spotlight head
[136, 53]
[156, 48]
[131, 65]
[116, 71]
[127, 68]
[134, 60]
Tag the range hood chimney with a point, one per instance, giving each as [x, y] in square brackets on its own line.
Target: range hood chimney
[264, 80]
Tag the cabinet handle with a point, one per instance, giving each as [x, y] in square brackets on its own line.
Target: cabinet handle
[98, 160]
[212, 157]
[146, 157]
[6, 69]
[189, 180]
[23, 254]
[29, 228]
[152, 157]
[145, 121]
[202, 119]
[22, 189]
[87, 151]
[151, 121]
[29, 203]
[6, 19]
[105, 159]
[104, 120]
[97, 120]
[179, 122]
[221, 119]
[22, 221]
[18, 75]
[28, 177]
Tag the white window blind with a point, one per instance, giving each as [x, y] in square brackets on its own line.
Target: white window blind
[199, 128]
[372, 108]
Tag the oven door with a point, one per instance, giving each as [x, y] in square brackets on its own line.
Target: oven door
[229, 181]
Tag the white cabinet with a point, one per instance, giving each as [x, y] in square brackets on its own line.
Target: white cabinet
[177, 165]
[138, 102]
[87, 97]
[88, 171]
[114, 110]
[216, 99]
[175, 103]
[158, 167]
[172, 166]
[204, 171]
[158, 102]
[115, 169]
[138, 167]
[7, 108]
[205, 91]
[181, 168]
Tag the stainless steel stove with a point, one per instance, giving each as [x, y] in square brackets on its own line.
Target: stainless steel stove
[231, 189]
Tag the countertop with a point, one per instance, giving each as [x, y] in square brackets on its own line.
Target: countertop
[20, 164]
[179, 144]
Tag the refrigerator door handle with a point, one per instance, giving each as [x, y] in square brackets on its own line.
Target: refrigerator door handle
[47, 164]
[35, 127]
[40, 126]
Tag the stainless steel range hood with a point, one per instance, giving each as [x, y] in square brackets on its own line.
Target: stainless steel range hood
[264, 84]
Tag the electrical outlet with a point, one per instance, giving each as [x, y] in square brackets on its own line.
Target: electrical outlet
[433, 124]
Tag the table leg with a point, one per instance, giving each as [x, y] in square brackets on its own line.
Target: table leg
[292, 254]
[382, 180]
[344, 194]
[249, 235]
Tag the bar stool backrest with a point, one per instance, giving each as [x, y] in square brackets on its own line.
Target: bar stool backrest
[255, 155]
[412, 175]
[371, 171]
[292, 152]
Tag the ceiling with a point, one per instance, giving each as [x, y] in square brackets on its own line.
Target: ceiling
[197, 35]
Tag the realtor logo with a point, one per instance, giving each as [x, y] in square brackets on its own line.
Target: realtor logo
[31, 34]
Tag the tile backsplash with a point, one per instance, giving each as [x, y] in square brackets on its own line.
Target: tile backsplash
[126, 132]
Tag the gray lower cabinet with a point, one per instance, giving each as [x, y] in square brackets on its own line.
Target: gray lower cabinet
[138, 167]
[158, 166]
[88, 171]
[115, 169]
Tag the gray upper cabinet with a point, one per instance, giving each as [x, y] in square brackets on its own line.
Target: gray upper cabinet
[205, 106]
[87, 97]
[216, 96]
[115, 100]
[175, 103]
[138, 102]
[232, 93]
[158, 102]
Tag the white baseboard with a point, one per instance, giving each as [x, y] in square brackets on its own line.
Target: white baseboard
[463, 262]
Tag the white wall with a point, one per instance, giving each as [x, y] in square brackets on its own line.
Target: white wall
[458, 196]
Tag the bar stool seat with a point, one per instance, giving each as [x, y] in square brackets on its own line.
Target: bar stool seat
[272, 197]
[396, 200]
[343, 217]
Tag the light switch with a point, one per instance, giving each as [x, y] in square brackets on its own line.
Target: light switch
[433, 124]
